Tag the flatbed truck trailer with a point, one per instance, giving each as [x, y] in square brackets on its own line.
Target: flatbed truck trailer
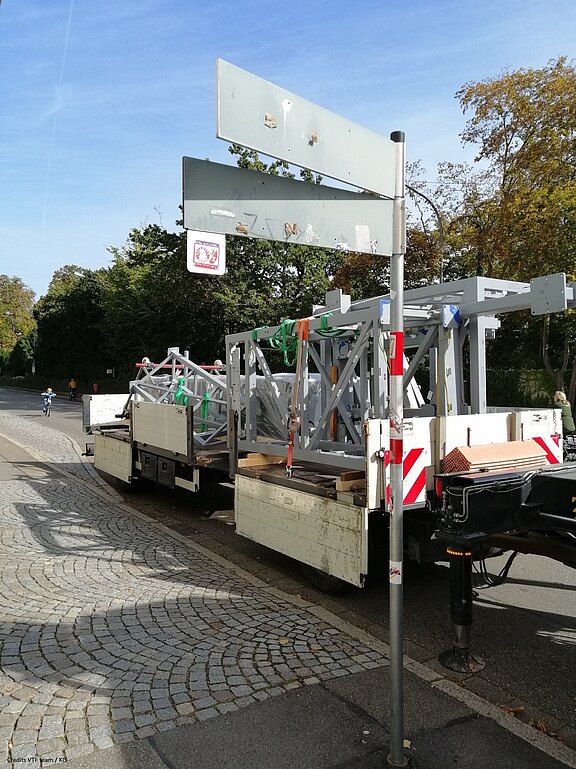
[309, 450]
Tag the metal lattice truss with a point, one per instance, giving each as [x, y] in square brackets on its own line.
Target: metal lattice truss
[340, 376]
[178, 380]
[347, 349]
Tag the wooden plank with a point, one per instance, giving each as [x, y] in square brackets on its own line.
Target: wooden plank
[254, 460]
[495, 456]
[352, 475]
[352, 485]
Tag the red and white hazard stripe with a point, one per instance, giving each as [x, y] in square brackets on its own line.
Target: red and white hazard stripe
[552, 447]
[414, 475]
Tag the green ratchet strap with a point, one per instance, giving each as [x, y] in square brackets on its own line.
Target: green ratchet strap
[255, 332]
[324, 330]
[284, 340]
[204, 410]
[180, 397]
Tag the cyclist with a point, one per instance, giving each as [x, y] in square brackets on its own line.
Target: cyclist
[47, 398]
[72, 389]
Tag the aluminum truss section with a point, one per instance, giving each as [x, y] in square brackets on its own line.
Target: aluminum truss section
[347, 350]
[344, 358]
[177, 379]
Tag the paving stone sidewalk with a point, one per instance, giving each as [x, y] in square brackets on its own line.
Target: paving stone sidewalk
[113, 629]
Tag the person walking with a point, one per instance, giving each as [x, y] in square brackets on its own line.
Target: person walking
[559, 401]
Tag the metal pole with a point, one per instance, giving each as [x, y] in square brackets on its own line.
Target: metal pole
[396, 756]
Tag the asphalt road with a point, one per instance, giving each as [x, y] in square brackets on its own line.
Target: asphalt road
[524, 629]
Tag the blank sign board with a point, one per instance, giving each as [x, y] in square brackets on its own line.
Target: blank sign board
[260, 115]
[548, 294]
[235, 201]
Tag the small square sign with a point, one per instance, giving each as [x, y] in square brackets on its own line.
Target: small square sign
[206, 252]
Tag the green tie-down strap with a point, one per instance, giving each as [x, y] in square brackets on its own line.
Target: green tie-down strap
[204, 410]
[180, 397]
[285, 341]
[255, 332]
[324, 329]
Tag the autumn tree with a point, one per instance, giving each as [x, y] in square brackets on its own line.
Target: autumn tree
[16, 321]
[524, 124]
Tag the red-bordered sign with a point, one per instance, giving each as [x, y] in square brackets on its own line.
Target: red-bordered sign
[206, 253]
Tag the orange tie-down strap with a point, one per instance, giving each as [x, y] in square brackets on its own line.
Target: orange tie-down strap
[303, 329]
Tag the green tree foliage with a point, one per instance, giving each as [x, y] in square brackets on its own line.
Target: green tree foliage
[19, 360]
[70, 316]
[139, 306]
[16, 321]
[152, 302]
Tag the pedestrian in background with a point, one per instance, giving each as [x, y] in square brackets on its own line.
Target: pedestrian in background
[559, 401]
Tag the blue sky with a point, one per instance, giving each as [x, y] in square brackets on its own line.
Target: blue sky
[99, 100]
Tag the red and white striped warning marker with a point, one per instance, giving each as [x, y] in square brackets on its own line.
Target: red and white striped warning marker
[414, 474]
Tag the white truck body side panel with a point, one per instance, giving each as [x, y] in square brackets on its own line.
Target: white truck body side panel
[472, 430]
[113, 456]
[545, 427]
[102, 409]
[419, 450]
[161, 425]
[321, 532]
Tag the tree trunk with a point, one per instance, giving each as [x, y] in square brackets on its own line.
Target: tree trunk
[572, 386]
[557, 375]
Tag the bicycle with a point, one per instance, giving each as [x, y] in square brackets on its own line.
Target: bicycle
[47, 398]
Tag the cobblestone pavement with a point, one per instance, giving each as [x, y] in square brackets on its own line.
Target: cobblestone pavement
[113, 628]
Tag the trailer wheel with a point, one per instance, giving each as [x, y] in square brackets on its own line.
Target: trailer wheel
[326, 583]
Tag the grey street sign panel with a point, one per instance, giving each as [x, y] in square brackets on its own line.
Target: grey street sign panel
[236, 201]
[263, 117]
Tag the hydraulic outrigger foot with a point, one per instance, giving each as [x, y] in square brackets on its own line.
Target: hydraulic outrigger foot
[460, 658]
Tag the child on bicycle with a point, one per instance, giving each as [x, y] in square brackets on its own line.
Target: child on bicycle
[47, 398]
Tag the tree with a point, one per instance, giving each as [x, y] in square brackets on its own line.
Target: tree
[19, 360]
[524, 123]
[514, 216]
[16, 321]
[70, 324]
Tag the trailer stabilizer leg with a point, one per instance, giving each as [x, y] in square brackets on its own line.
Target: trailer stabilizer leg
[460, 658]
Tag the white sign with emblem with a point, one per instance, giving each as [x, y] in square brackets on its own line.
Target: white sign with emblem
[205, 252]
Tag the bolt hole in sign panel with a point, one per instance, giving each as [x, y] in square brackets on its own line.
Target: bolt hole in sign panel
[205, 252]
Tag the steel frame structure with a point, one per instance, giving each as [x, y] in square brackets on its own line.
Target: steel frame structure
[178, 376]
[353, 339]
[348, 347]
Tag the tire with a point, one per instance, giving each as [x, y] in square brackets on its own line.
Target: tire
[323, 582]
